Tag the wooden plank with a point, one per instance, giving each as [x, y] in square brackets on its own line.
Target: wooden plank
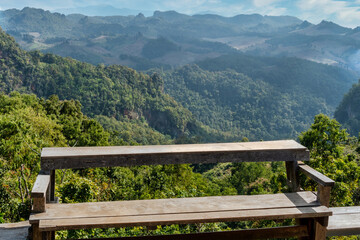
[278, 232]
[315, 175]
[40, 186]
[183, 218]
[83, 157]
[346, 210]
[344, 222]
[177, 205]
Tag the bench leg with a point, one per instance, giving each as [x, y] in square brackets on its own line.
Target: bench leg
[47, 236]
[36, 234]
[320, 225]
[318, 228]
[308, 223]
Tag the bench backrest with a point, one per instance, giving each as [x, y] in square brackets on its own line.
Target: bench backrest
[88, 157]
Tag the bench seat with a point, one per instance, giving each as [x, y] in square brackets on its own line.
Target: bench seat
[345, 221]
[179, 211]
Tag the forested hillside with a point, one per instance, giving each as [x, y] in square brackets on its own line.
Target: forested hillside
[114, 91]
[258, 97]
[348, 111]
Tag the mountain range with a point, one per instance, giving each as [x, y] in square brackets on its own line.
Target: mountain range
[213, 66]
[179, 39]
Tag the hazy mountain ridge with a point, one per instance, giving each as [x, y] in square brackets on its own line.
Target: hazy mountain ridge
[83, 32]
[107, 39]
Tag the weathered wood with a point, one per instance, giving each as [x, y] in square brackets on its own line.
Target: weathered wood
[151, 213]
[344, 222]
[179, 211]
[309, 224]
[40, 186]
[323, 195]
[39, 205]
[278, 232]
[83, 157]
[182, 218]
[177, 205]
[315, 175]
[319, 229]
[52, 185]
[46, 236]
[36, 234]
[292, 175]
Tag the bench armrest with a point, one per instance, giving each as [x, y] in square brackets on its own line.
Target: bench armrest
[315, 175]
[325, 183]
[39, 192]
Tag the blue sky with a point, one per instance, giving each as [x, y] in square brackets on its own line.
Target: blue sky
[345, 13]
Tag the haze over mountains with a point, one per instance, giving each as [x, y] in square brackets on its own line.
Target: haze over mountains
[173, 39]
[257, 76]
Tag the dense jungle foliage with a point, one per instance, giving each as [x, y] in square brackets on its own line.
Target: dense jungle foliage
[113, 91]
[258, 97]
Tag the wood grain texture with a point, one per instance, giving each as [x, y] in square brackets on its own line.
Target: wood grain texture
[345, 221]
[36, 234]
[182, 218]
[84, 157]
[179, 211]
[323, 195]
[278, 232]
[319, 230]
[315, 175]
[177, 205]
[39, 205]
[40, 186]
[292, 174]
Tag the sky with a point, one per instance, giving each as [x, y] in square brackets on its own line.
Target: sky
[345, 13]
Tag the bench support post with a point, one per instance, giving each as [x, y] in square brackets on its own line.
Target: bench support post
[48, 235]
[320, 225]
[52, 185]
[39, 205]
[36, 234]
[323, 195]
[292, 175]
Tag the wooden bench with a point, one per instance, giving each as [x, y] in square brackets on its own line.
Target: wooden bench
[345, 221]
[309, 209]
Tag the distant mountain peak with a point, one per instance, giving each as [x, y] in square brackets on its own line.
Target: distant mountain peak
[170, 15]
[305, 24]
[329, 26]
[102, 10]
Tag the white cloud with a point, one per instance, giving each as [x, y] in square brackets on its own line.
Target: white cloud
[264, 3]
[228, 11]
[345, 13]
